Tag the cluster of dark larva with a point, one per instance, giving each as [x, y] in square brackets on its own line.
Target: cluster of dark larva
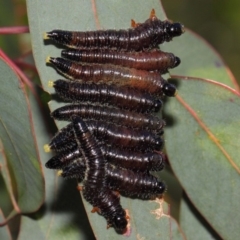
[113, 139]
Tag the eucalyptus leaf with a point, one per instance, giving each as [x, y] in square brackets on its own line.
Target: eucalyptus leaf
[23, 173]
[193, 224]
[203, 147]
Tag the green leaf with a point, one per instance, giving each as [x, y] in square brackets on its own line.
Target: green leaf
[192, 224]
[62, 216]
[203, 146]
[22, 170]
[4, 231]
[199, 59]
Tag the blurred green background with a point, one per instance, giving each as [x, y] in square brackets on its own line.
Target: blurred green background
[216, 21]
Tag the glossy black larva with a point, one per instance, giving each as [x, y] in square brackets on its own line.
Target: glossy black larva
[133, 160]
[121, 97]
[125, 181]
[151, 61]
[118, 116]
[151, 82]
[95, 189]
[111, 134]
[143, 36]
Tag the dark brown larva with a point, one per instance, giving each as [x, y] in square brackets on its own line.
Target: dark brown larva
[122, 97]
[111, 134]
[147, 35]
[135, 161]
[95, 189]
[119, 116]
[64, 158]
[151, 82]
[127, 182]
[75, 169]
[151, 61]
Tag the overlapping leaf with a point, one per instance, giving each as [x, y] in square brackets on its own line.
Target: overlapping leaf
[21, 170]
[203, 147]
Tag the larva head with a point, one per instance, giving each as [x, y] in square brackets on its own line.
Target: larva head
[158, 141]
[177, 61]
[157, 105]
[161, 187]
[120, 223]
[157, 161]
[174, 29]
[169, 89]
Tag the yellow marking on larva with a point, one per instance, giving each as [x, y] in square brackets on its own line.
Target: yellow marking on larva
[48, 59]
[50, 83]
[45, 36]
[59, 173]
[46, 148]
[176, 93]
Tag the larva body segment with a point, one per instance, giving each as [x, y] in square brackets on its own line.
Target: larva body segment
[74, 170]
[88, 146]
[125, 181]
[64, 158]
[129, 183]
[122, 97]
[150, 61]
[151, 82]
[135, 161]
[111, 134]
[95, 190]
[144, 36]
[108, 204]
[118, 116]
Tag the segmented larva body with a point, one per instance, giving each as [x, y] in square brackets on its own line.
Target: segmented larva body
[95, 189]
[147, 35]
[111, 134]
[135, 161]
[109, 114]
[125, 181]
[150, 61]
[127, 98]
[151, 82]
[76, 169]
[88, 146]
[64, 158]
[129, 183]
